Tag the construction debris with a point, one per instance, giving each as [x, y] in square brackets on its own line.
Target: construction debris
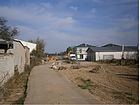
[75, 66]
[57, 66]
[95, 69]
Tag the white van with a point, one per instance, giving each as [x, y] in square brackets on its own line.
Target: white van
[72, 57]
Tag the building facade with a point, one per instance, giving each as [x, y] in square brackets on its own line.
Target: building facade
[31, 46]
[13, 55]
[112, 52]
[80, 51]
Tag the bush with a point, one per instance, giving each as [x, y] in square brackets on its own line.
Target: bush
[35, 61]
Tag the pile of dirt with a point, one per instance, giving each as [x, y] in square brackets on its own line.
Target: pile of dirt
[108, 83]
[95, 69]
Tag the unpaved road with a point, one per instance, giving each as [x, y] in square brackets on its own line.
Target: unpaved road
[47, 86]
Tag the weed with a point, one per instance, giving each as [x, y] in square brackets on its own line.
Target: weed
[83, 87]
[87, 84]
[125, 96]
[127, 93]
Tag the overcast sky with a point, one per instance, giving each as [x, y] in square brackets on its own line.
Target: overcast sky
[63, 23]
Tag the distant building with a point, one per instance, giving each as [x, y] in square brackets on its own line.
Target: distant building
[112, 51]
[80, 51]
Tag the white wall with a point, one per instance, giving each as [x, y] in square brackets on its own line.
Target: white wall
[6, 67]
[84, 57]
[81, 50]
[31, 46]
[17, 56]
[117, 55]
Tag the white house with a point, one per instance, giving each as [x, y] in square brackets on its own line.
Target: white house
[31, 46]
[81, 53]
[111, 51]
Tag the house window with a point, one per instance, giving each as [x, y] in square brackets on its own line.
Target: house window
[81, 56]
[80, 50]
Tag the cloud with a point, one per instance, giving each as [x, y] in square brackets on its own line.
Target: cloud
[74, 8]
[91, 13]
[47, 5]
[61, 27]
[27, 33]
[114, 2]
[21, 15]
[98, 1]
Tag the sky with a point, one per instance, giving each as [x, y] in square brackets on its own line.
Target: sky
[63, 23]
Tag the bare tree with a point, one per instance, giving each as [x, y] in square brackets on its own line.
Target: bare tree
[7, 32]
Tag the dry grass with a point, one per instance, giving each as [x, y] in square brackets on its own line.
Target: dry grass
[112, 84]
[14, 90]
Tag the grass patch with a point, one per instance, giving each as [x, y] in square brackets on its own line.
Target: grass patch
[87, 84]
[21, 100]
[83, 87]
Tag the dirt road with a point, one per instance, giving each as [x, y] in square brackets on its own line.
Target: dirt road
[47, 86]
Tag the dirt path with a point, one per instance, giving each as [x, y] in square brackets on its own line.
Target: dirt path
[47, 86]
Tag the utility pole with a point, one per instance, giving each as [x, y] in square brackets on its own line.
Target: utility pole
[122, 51]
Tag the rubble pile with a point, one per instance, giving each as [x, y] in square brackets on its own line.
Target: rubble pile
[95, 69]
[57, 66]
[75, 66]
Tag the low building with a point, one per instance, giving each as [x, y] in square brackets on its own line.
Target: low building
[111, 51]
[31, 46]
[13, 55]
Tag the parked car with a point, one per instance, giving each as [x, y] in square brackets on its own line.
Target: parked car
[72, 57]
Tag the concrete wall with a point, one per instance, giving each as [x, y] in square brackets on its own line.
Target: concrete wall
[6, 66]
[27, 56]
[81, 51]
[117, 55]
[31, 46]
[19, 56]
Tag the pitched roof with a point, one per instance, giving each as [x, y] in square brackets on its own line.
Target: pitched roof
[113, 49]
[30, 45]
[85, 45]
[111, 45]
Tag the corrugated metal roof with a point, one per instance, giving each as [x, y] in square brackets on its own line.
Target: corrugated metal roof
[111, 45]
[85, 45]
[113, 49]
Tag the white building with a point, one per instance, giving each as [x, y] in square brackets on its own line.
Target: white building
[31, 46]
[81, 53]
[112, 52]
